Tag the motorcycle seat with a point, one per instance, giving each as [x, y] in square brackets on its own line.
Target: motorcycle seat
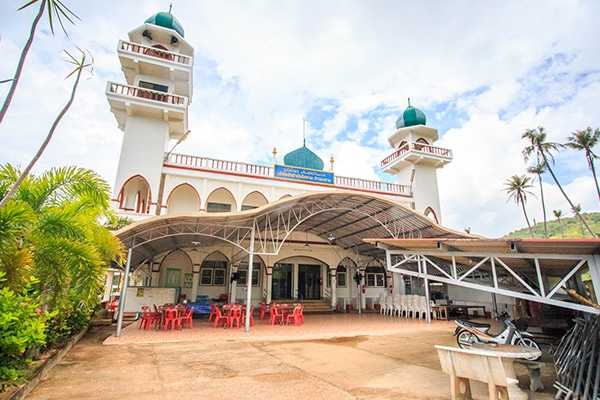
[475, 324]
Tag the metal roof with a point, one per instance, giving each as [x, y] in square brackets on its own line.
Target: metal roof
[347, 216]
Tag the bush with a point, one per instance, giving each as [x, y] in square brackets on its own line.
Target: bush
[22, 325]
[61, 327]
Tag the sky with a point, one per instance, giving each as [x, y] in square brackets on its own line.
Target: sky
[483, 73]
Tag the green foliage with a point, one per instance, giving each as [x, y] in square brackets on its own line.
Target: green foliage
[22, 325]
[50, 229]
[571, 228]
[68, 323]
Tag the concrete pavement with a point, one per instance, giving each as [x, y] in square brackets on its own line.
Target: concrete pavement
[339, 356]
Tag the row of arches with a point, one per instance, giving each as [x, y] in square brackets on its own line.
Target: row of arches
[136, 196]
[290, 277]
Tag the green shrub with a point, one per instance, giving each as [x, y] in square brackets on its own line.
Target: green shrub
[22, 325]
[61, 327]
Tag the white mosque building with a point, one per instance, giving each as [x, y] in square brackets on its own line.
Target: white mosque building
[208, 227]
[315, 261]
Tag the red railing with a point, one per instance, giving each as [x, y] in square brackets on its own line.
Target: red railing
[134, 91]
[266, 171]
[155, 52]
[416, 146]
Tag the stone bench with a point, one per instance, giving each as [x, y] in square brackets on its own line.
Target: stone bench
[463, 365]
[534, 370]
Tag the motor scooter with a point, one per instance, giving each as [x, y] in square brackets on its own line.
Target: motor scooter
[468, 332]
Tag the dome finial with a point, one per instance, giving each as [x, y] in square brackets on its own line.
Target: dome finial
[304, 131]
[170, 7]
[409, 101]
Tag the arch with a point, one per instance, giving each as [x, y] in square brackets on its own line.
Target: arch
[285, 196]
[402, 144]
[253, 200]
[214, 270]
[135, 195]
[183, 199]
[220, 200]
[173, 267]
[430, 213]
[422, 140]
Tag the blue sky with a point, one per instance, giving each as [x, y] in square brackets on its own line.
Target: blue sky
[483, 72]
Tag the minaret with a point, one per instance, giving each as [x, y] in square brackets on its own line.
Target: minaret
[415, 160]
[151, 109]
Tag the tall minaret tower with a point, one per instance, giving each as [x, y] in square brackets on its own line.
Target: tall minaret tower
[415, 160]
[151, 109]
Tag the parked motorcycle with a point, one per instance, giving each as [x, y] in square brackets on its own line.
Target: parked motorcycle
[469, 332]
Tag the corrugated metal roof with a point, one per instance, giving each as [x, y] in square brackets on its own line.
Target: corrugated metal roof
[348, 216]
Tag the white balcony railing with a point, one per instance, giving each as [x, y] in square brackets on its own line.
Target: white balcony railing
[425, 149]
[154, 52]
[254, 170]
[148, 94]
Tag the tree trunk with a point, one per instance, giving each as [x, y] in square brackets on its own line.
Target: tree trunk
[567, 197]
[15, 80]
[62, 113]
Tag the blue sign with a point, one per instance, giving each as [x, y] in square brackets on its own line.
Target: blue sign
[304, 175]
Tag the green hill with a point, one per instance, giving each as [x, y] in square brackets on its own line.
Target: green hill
[569, 227]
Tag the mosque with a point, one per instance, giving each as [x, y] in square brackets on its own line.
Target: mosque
[208, 227]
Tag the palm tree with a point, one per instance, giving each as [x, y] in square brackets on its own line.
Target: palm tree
[586, 140]
[517, 189]
[81, 64]
[56, 218]
[543, 152]
[538, 170]
[52, 8]
[576, 210]
[558, 214]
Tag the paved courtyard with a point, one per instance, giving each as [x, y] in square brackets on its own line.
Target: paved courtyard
[339, 356]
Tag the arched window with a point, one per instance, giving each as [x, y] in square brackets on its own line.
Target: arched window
[341, 276]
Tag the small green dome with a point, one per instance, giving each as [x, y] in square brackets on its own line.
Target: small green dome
[166, 20]
[411, 117]
[303, 158]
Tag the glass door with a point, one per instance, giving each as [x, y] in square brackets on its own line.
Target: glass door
[309, 281]
[282, 282]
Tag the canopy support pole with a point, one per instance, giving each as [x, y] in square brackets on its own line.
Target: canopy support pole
[123, 293]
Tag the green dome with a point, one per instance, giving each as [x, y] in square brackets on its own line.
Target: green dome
[166, 20]
[303, 158]
[411, 117]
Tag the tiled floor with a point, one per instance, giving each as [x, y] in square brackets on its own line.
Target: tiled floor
[315, 326]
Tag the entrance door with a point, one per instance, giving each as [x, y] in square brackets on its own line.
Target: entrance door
[282, 282]
[309, 281]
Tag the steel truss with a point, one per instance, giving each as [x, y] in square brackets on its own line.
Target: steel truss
[524, 276]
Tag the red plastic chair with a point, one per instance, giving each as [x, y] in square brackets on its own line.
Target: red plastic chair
[262, 309]
[251, 317]
[220, 318]
[186, 317]
[213, 312]
[171, 317]
[276, 315]
[146, 319]
[294, 316]
[235, 315]
[157, 317]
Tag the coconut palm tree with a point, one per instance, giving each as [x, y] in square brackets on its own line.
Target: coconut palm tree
[576, 210]
[54, 9]
[538, 170]
[585, 141]
[543, 152]
[558, 214]
[56, 219]
[517, 189]
[81, 64]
